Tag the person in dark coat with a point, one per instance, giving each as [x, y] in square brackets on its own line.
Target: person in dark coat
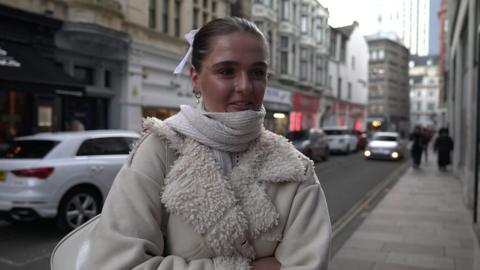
[418, 143]
[443, 146]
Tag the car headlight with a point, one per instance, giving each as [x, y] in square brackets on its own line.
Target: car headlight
[394, 154]
[367, 153]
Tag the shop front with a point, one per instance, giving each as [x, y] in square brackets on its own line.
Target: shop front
[350, 115]
[305, 114]
[278, 104]
[32, 87]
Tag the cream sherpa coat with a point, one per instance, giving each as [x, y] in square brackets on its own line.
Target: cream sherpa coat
[271, 205]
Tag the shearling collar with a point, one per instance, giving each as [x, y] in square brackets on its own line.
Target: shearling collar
[224, 210]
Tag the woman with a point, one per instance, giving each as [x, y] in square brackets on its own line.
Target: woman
[443, 146]
[418, 143]
[210, 188]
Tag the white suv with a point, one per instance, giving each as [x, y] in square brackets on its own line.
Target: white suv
[63, 175]
[341, 139]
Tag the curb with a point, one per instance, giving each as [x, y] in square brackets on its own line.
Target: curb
[363, 204]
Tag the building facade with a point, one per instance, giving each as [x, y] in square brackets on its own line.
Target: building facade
[345, 99]
[297, 35]
[463, 94]
[424, 92]
[410, 19]
[388, 99]
[121, 54]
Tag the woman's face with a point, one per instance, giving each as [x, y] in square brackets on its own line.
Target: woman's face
[233, 74]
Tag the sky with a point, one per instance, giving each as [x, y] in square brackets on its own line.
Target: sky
[344, 12]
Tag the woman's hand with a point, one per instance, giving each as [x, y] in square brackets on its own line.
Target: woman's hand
[267, 263]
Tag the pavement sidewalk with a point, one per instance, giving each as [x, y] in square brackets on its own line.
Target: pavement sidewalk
[422, 223]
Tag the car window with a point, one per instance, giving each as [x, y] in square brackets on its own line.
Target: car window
[385, 138]
[106, 146]
[335, 132]
[30, 149]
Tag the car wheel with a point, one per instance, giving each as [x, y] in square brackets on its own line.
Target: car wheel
[78, 206]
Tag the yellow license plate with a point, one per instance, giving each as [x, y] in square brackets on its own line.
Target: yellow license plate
[3, 176]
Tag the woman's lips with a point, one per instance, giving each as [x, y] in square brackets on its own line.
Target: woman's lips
[241, 106]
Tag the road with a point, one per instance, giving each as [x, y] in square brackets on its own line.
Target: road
[345, 180]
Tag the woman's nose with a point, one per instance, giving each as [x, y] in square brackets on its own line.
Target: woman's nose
[244, 83]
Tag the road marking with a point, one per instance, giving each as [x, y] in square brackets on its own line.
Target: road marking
[363, 204]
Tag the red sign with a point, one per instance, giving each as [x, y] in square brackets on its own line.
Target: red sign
[303, 103]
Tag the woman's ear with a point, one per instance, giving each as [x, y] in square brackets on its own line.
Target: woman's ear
[194, 78]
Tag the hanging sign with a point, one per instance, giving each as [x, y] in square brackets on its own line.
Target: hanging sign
[8, 61]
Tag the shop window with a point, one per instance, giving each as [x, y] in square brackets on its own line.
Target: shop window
[84, 74]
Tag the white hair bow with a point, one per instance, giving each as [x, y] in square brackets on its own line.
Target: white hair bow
[189, 37]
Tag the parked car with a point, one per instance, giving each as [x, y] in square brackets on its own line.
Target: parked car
[385, 145]
[341, 139]
[62, 175]
[362, 139]
[313, 143]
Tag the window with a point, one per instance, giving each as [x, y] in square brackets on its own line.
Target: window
[419, 105]
[339, 87]
[176, 18]
[106, 146]
[304, 23]
[205, 4]
[303, 64]
[304, 19]
[195, 18]
[353, 62]
[83, 74]
[381, 54]
[284, 55]
[152, 14]
[318, 31]
[319, 70]
[285, 9]
[214, 7]
[24, 149]
[343, 50]
[165, 16]
[108, 79]
[349, 93]
[431, 106]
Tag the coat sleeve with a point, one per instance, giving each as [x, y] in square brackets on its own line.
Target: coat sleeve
[128, 234]
[307, 235]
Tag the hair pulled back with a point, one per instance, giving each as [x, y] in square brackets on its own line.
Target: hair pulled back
[218, 27]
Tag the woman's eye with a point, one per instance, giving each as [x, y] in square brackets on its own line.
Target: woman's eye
[259, 73]
[226, 71]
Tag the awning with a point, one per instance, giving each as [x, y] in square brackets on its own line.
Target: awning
[22, 65]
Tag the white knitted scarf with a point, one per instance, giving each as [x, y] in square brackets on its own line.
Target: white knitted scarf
[224, 132]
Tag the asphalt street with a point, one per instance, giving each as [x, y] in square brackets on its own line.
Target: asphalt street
[345, 179]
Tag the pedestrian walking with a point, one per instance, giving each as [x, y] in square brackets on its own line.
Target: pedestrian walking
[418, 144]
[427, 133]
[210, 187]
[443, 146]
